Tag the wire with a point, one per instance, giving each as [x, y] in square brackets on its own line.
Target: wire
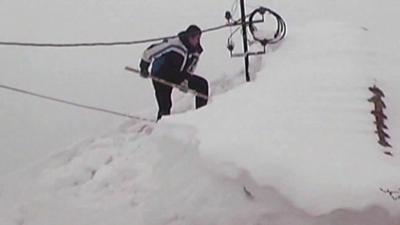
[280, 32]
[83, 44]
[234, 23]
[234, 7]
[75, 104]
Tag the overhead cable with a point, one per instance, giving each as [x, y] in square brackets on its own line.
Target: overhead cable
[75, 104]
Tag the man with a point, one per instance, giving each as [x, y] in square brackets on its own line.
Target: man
[174, 60]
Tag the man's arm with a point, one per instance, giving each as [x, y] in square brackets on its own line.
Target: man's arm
[175, 64]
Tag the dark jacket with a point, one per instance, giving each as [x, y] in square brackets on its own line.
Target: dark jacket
[173, 60]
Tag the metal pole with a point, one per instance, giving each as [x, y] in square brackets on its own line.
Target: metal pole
[245, 46]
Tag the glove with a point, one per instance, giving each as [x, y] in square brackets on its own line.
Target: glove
[184, 86]
[144, 73]
[144, 69]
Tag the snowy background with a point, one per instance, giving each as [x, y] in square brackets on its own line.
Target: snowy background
[294, 146]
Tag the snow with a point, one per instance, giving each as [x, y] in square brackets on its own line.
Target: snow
[297, 135]
[294, 146]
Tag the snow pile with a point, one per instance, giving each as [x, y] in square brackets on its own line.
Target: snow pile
[269, 161]
[139, 174]
[146, 174]
[305, 129]
[295, 146]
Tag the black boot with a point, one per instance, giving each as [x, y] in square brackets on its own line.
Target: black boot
[200, 85]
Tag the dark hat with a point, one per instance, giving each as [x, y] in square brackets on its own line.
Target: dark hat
[193, 30]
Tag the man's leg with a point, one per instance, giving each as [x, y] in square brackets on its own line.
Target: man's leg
[163, 96]
[200, 85]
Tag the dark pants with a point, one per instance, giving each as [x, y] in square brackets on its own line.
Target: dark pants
[163, 94]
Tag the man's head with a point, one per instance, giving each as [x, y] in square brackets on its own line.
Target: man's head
[193, 33]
